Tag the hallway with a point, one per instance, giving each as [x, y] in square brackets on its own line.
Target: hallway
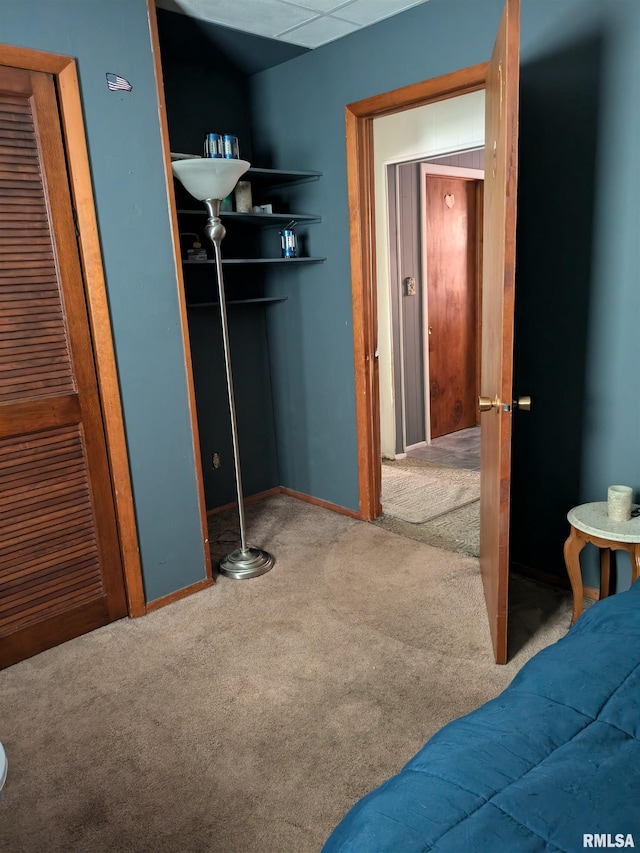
[457, 530]
[458, 450]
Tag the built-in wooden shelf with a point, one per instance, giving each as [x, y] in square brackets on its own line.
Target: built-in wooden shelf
[267, 180]
[276, 177]
[289, 261]
[261, 299]
[264, 220]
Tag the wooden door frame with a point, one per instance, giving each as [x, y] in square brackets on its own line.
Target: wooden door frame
[477, 177]
[63, 70]
[359, 118]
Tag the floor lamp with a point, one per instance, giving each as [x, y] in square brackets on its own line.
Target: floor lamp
[3, 767]
[210, 180]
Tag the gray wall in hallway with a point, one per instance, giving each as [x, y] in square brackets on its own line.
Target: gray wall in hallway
[298, 110]
[394, 295]
[410, 307]
[129, 186]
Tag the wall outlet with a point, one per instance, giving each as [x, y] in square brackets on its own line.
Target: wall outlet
[215, 460]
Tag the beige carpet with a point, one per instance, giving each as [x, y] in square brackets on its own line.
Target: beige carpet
[251, 716]
[419, 493]
[458, 530]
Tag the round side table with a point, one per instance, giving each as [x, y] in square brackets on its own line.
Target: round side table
[590, 523]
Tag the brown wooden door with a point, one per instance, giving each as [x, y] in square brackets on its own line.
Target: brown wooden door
[500, 185]
[60, 562]
[450, 240]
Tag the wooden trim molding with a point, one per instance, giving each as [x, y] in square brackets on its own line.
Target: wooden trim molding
[424, 92]
[63, 68]
[359, 118]
[33, 60]
[182, 302]
[91, 259]
[450, 172]
[300, 496]
[282, 490]
[259, 496]
[179, 594]
[479, 256]
[363, 276]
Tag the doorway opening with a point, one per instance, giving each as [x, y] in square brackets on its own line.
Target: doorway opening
[373, 411]
[435, 252]
[430, 484]
[499, 79]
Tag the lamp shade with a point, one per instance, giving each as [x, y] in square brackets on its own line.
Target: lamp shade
[209, 177]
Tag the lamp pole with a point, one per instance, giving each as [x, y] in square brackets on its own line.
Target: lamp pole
[245, 562]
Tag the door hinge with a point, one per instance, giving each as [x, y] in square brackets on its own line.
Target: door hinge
[75, 221]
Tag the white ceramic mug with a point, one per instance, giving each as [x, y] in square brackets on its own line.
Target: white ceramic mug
[619, 503]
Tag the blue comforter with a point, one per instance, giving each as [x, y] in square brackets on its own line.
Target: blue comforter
[553, 763]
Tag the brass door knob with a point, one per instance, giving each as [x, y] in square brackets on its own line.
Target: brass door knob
[485, 404]
[523, 403]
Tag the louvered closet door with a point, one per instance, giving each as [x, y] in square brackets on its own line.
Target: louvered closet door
[60, 564]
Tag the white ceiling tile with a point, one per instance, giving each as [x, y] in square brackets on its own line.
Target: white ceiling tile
[364, 12]
[261, 17]
[309, 23]
[170, 6]
[320, 5]
[318, 32]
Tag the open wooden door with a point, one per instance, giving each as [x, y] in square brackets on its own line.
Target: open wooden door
[500, 206]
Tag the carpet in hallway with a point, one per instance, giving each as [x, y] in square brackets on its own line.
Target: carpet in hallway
[456, 530]
[419, 493]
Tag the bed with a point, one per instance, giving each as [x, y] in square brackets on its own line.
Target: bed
[553, 763]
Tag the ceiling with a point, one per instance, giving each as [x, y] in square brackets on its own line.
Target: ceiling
[306, 23]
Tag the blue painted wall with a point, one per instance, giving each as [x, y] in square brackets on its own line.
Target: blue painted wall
[128, 178]
[585, 431]
[298, 110]
[298, 122]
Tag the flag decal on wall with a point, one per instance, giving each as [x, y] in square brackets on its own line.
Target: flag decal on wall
[118, 84]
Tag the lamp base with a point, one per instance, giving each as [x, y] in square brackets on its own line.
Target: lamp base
[247, 563]
[3, 768]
